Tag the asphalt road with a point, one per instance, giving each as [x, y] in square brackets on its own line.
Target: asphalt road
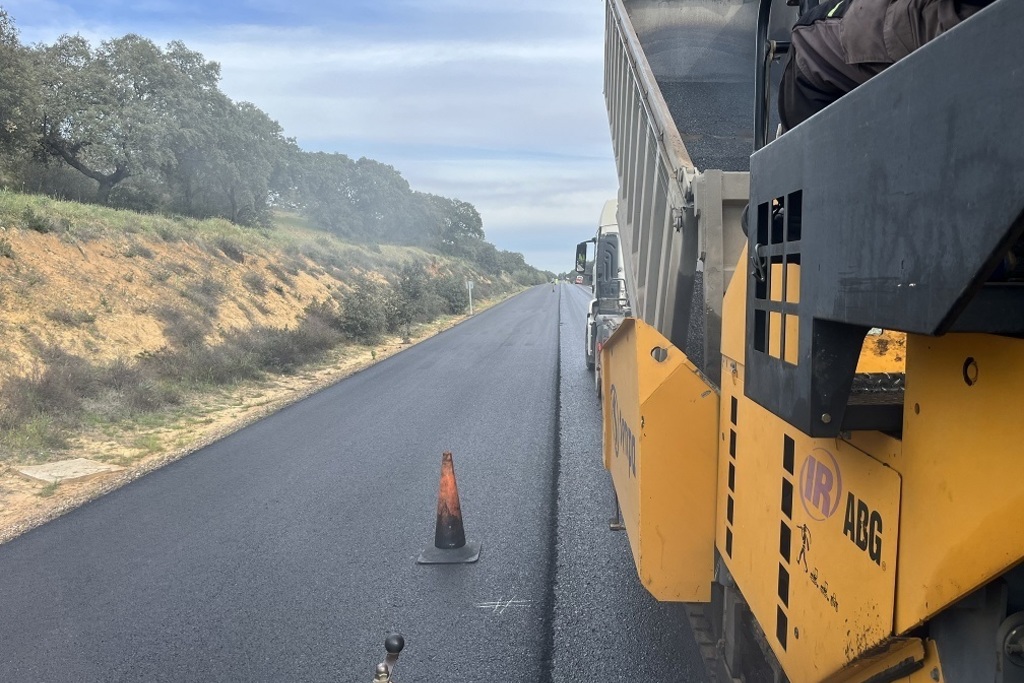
[286, 551]
[606, 626]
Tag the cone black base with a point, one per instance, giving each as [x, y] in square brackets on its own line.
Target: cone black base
[464, 555]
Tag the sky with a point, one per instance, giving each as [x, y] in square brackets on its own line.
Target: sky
[496, 103]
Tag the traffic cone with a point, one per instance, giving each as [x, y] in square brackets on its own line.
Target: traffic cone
[450, 545]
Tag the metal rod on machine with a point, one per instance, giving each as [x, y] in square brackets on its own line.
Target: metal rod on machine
[615, 523]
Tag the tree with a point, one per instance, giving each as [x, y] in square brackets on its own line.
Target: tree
[485, 255]
[106, 112]
[458, 228]
[451, 288]
[380, 197]
[364, 311]
[419, 224]
[17, 89]
[409, 294]
[196, 110]
[150, 128]
[322, 189]
[511, 261]
[249, 144]
[363, 200]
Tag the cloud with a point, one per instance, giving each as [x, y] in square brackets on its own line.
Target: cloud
[496, 104]
[539, 207]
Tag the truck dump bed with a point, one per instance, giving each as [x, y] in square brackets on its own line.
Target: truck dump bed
[679, 85]
[701, 54]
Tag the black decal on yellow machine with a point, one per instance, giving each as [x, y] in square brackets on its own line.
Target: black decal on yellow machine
[821, 568]
[864, 526]
[623, 438]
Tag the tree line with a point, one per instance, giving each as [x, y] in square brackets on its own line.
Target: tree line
[132, 125]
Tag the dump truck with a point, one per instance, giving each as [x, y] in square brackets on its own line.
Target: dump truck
[812, 418]
[610, 304]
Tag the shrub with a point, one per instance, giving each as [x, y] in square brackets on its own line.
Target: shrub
[168, 233]
[285, 350]
[206, 294]
[38, 412]
[180, 328]
[326, 312]
[364, 316]
[232, 249]
[255, 282]
[70, 317]
[281, 274]
[36, 434]
[248, 354]
[199, 364]
[137, 390]
[56, 390]
[34, 221]
[451, 289]
[179, 268]
[409, 292]
[142, 193]
[135, 249]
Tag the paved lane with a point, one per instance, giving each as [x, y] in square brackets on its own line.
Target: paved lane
[286, 551]
[606, 627]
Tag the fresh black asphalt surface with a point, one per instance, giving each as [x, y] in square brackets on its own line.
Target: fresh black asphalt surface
[286, 551]
[607, 627]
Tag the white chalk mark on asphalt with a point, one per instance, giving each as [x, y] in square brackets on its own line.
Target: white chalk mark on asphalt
[500, 605]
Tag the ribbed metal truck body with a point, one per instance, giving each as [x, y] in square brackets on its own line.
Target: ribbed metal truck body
[679, 91]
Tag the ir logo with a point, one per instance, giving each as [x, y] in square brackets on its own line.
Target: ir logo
[821, 484]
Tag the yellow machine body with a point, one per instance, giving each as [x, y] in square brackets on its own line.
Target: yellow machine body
[809, 529]
[900, 528]
[963, 473]
[840, 547]
[660, 448]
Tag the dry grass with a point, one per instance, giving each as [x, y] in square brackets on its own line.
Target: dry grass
[116, 321]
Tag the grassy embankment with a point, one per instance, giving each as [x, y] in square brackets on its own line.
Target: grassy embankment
[125, 334]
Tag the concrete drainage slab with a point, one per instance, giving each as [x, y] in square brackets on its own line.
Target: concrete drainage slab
[77, 469]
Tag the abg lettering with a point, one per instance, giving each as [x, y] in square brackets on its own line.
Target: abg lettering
[863, 526]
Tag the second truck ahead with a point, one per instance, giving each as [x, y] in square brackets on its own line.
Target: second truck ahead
[610, 303]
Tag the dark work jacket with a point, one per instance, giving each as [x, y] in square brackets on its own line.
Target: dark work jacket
[842, 43]
[885, 31]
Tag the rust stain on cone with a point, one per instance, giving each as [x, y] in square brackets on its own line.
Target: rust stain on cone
[449, 532]
[450, 546]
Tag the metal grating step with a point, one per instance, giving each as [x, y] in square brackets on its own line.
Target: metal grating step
[876, 402]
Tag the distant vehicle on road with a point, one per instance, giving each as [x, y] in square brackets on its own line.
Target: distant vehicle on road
[579, 279]
[610, 304]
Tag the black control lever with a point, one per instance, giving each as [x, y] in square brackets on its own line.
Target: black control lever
[393, 644]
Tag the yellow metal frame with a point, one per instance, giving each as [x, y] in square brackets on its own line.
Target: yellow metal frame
[962, 468]
[948, 498]
[809, 530]
[659, 442]
[841, 547]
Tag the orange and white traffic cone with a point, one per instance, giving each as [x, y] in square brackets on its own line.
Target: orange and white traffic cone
[450, 546]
